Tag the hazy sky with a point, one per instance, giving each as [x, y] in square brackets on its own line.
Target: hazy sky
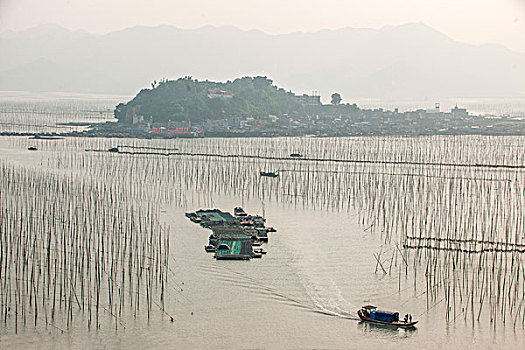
[472, 21]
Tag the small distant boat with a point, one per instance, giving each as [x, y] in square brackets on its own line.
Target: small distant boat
[32, 148]
[46, 137]
[238, 211]
[210, 248]
[369, 313]
[259, 251]
[269, 174]
[296, 155]
[193, 217]
[113, 149]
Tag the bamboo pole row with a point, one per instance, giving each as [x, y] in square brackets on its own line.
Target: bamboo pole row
[72, 249]
[464, 225]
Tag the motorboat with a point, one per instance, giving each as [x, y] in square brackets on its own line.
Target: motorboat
[371, 314]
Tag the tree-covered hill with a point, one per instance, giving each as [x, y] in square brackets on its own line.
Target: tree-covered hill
[190, 99]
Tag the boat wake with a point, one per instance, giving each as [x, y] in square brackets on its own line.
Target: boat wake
[323, 296]
[328, 299]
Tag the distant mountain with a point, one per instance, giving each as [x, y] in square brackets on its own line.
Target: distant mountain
[31, 45]
[408, 61]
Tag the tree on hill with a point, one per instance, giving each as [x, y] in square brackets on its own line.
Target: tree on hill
[189, 99]
[336, 98]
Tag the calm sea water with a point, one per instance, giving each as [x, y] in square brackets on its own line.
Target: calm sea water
[302, 295]
[320, 267]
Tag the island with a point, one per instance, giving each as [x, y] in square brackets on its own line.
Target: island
[255, 107]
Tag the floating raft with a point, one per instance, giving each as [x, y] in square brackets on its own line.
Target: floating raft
[233, 237]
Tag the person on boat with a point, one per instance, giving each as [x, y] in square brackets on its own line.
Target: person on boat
[410, 318]
[406, 318]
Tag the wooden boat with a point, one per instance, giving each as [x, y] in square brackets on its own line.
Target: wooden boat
[32, 148]
[259, 251]
[238, 211]
[210, 248]
[369, 313]
[268, 174]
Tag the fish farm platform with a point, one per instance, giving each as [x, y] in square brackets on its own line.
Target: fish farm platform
[233, 237]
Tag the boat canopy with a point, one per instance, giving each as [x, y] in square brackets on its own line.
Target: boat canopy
[369, 307]
[385, 316]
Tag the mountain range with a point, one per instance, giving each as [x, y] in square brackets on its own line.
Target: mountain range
[408, 61]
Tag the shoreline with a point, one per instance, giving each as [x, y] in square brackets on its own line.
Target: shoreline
[146, 136]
